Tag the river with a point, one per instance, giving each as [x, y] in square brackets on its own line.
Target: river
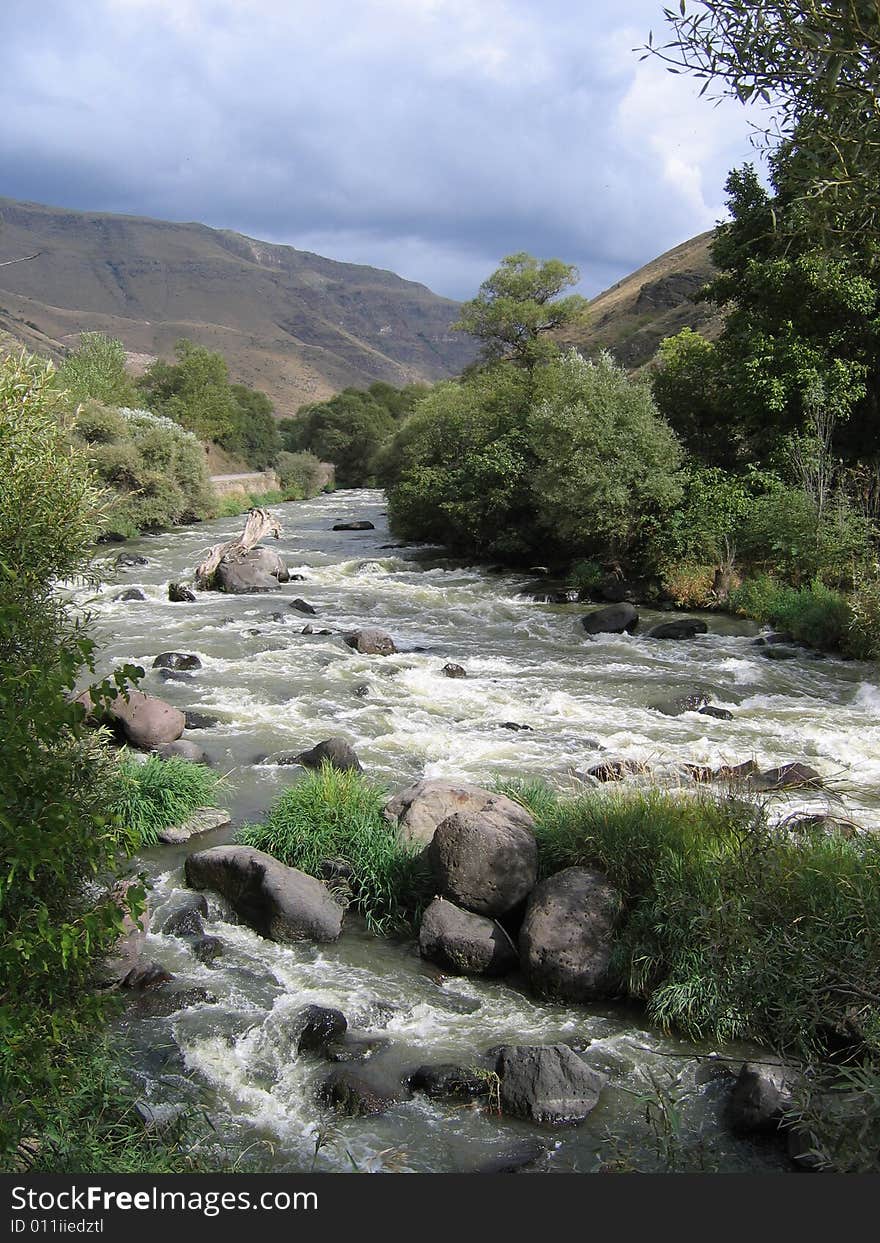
[272, 688]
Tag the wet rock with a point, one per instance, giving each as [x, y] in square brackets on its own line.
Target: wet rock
[619, 618]
[158, 1117]
[130, 594]
[762, 1094]
[453, 671]
[182, 749]
[279, 902]
[616, 770]
[207, 948]
[519, 1158]
[362, 1091]
[314, 1027]
[484, 861]
[146, 722]
[159, 1003]
[567, 936]
[781, 653]
[127, 559]
[308, 630]
[683, 628]
[176, 660]
[362, 691]
[371, 641]
[453, 1003]
[514, 725]
[419, 808]
[178, 593]
[464, 943]
[547, 1084]
[355, 1048]
[259, 570]
[736, 772]
[175, 675]
[200, 720]
[720, 714]
[126, 954]
[296, 578]
[186, 921]
[692, 702]
[794, 776]
[146, 975]
[447, 1081]
[354, 526]
[302, 606]
[203, 820]
[336, 752]
[771, 637]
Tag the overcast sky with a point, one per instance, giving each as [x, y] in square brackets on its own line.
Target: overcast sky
[431, 137]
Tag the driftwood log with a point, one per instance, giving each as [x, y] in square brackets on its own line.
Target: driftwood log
[260, 524]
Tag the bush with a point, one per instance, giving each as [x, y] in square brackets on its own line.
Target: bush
[302, 475]
[96, 370]
[814, 615]
[863, 641]
[338, 815]
[733, 930]
[146, 798]
[690, 586]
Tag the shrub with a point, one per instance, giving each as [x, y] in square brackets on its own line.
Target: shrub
[690, 586]
[338, 815]
[146, 798]
[302, 475]
[814, 615]
[96, 370]
[863, 640]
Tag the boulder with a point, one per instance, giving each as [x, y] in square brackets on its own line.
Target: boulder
[176, 660]
[694, 701]
[279, 902]
[131, 593]
[259, 570]
[146, 975]
[179, 594]
[203, 820]
[484, 861]
[762, 1094]
[350, 1048]
[684, 628]
[464, 943]
[720, 714]
[175, 675]
[354, 526]
[333, 751]
[315, 1027]
[567, 935]
[615, 619]
[547, 1084]
[616, 770]
[146, 722]
[362, 1090]
[186, 921]
[447, 1081]
[126, 559]
[200, 720]
[789, 777]
[371, 641]
[771, 637]
[206, 948]
[302, 606]
[453, 671]
[420, 807]
[182, 749]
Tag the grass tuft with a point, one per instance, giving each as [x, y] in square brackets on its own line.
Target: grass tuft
[147, 798]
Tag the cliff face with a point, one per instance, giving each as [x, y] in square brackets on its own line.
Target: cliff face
[297, 325]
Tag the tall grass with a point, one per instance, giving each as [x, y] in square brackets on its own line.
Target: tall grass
[147, 798]
[332, 815]
[733, 929]
[815, 614]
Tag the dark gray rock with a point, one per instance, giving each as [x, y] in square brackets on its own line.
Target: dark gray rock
[175, 675]
[362, 691]
[302, 606]
[453, 671]
[691, 702]
[781, 653]
[762, 1094]
[279, 902]
[178, 593]
[206, 948]
[362, 1090]
[464, 943]
[547, 1084]
[771, 637]
[788, 777]
[146, 975]
[371, 641]
[567, 936]
[616, 770]
[315, 1027]
[720, 714]
[159, 1003]
[351, 1048]
[186, 921]
[683, 628]
[333, 751]
[621, 618]
[182, 749]
[516, 727]
[131, 594]
[483, 861]
[200, 720]
[176, 660]
[354, 526]
[127, 559]
[447, 1081]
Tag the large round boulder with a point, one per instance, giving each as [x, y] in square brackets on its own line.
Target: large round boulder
[483, 861]
[277, 901]
[566, 937]
[260, 569]
[615, 619]
[333, 751]
[371, 641]
[145, 721]
[547, 1084]
[420, 807]
[464, 943]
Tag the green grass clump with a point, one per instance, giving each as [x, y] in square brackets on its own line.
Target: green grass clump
[338, 815]
[732, 929]
[816, 615]
[146, 798]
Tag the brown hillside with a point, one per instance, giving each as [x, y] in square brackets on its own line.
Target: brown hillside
[292, 323]
[632, 317]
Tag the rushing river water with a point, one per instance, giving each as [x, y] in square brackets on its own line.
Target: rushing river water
[272, 689]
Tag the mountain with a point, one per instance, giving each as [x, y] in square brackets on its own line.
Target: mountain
[632, 317]
[294, 324]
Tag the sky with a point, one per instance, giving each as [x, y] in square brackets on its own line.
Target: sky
[431, 137]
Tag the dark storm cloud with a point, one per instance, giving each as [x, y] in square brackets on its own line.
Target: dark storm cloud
[429, 136]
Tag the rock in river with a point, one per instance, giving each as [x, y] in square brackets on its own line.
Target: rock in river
[548, 1084]
[567, 935]
[465, 943]
[684, 628]
[483, 861]
[615, 619]
[177, 660]
[145, 721]
[371, 641]
[333, 751]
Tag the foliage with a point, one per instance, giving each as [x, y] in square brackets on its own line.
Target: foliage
[302, 475]
[815, 614]
[863, 641]
[254, 434]
[96, 369]
[689, 391]
[155, 472]
[817, 66]
[733, 929]
[145, 798]
[338, 815]
[518, 305]
[54, 837]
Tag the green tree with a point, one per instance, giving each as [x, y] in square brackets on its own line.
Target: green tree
[195, 391]
[254, 435]
[96, 368]
[518, 305]
[348, 430]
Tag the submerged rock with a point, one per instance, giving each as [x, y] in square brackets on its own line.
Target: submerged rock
[362, 1090]
[694, 701]
[363, 525]
[683, 628]
[453, 671]
[127, 559]
[177, 660]
[788, 777]
[183, 749]
[203, 820]
[371, 641]
[447, 1081]
[762, 1094]
[279, 902]
[130, 594]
